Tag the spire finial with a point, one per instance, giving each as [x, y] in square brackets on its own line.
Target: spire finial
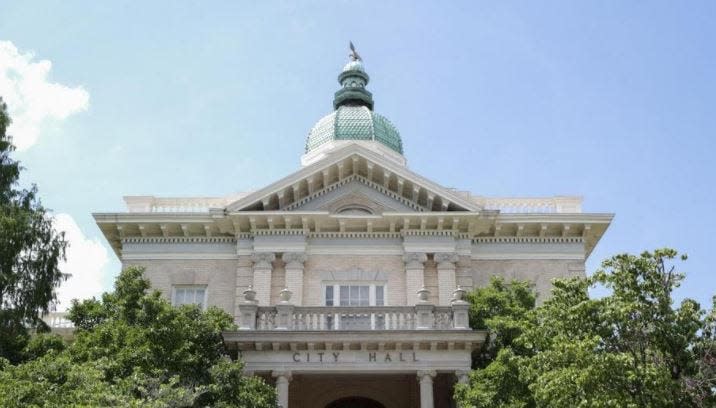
[353, 80]
[354, 54]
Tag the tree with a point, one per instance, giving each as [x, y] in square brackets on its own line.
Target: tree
[30, 253]
[631, 348]
[132, 348]
[503, 309]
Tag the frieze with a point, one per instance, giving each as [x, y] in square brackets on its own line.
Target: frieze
[368, 360]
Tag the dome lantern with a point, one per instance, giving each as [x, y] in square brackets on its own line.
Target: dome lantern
[353, 118]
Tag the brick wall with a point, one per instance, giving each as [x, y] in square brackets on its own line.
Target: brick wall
[391, 265]
[219, 276]
[541, 272]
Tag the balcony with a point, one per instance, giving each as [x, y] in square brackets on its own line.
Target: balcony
[286, 316]
[311, 318]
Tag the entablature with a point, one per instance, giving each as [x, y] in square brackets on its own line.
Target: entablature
[477, 226]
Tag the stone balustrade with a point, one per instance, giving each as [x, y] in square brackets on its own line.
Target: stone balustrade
[175, 204]
[314, 318]
[422, 316]
[557, 204]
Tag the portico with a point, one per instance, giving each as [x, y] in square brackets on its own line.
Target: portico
[433, 358]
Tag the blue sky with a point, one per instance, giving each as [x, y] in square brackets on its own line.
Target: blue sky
[611, 100]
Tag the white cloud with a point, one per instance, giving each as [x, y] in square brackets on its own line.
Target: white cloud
[86, 259]
[32, 100]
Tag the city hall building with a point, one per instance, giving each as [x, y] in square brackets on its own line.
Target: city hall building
[346, 278]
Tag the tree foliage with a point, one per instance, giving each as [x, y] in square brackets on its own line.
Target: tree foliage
[631, 348]
[132, 348]
[30, 253]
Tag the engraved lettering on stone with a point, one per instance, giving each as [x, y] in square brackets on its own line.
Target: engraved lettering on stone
[372, 357]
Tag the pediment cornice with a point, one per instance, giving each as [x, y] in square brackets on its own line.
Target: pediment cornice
[354, 161]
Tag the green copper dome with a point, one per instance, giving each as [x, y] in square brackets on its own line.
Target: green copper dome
[354, 123]
[353, 117]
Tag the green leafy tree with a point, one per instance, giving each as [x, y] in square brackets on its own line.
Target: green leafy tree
[135, 349]
[30, 253]
[503, 309]
[631, 348]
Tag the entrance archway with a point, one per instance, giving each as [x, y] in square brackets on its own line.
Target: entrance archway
[355, 402]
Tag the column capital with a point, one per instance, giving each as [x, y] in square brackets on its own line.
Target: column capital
[414, 260]
[282, 375]
[426, 375]
[463, 376]
[263, 260]
[445, 259]
[294, 259]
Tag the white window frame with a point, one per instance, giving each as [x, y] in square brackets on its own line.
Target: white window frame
[371, 291]
[195, 287]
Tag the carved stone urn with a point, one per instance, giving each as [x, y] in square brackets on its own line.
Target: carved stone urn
[423, 295]
[285, 295]
[458, 294]
[250, 294]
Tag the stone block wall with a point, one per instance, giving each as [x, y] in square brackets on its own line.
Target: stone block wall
[219, 276]
[539, 271]
[391, 265]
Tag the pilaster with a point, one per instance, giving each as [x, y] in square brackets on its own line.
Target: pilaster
[414, 273]
[294, 274]
[446, 276]
[262, 276]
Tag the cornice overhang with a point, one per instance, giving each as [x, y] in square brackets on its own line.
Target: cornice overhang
[353, 159]
[588, 227]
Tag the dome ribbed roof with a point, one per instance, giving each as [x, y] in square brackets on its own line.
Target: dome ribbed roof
[354, 123]
[354, 118]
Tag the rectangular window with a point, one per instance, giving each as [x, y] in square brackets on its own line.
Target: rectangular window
[379, 296]
[355, 295]
[189, 295]
[329, 295]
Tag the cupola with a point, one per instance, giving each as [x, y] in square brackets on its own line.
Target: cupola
[353, 119]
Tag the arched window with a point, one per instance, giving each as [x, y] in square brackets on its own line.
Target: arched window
[355, 210]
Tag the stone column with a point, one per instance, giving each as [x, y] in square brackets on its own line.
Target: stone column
[294, 275]
[463, 376]
[425, 378]
[283, 378]
[446, 276]
[414, 273]
[262, 276]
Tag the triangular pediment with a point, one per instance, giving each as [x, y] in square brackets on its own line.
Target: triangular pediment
[355, 195]
[391, 186]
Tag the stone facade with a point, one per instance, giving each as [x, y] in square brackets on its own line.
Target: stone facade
[222, 276]
[353, 224]
[540, 272]
[219, 276]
